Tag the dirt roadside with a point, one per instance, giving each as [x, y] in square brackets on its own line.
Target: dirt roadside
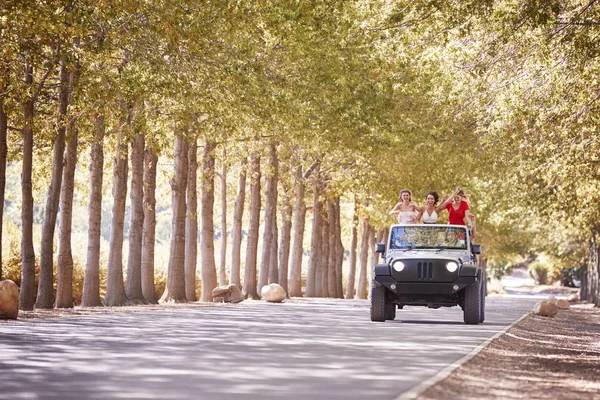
[538, 358]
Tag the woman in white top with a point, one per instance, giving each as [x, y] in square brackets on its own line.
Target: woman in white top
[408, 212]
[430, 211]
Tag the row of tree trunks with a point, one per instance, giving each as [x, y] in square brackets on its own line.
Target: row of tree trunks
[45, 293]
[191, 224]
[91, 280]
[209, 270]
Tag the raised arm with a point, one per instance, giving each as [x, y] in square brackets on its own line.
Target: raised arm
[447, 199]
[396, 209]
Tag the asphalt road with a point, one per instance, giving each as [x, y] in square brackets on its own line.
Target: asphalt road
[301, 349]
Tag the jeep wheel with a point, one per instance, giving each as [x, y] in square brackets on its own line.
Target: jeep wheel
[482, 310]
[390, 311]
[472, 309]
[378, 306]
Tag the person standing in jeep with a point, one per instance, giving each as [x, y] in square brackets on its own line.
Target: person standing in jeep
[458, 210]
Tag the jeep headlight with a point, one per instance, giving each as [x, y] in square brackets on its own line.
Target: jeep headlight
[452, 266]
[398, 266]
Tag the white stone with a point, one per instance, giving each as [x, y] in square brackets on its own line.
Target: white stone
[545, 308]
[9, 300]
[552, 299]
[273, 293]
[563, 304]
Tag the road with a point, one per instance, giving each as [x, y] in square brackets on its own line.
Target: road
[301, 349]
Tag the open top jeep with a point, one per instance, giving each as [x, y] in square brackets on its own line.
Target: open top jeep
[428, 265]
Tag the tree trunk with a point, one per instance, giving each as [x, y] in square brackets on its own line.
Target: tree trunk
[249, 288]
[323, 288]
[353, 244]
[332, 239]
[46, 281]
[270, 209]
[361, 291]
[115, 291]
[209, 269]
[223, 264]
[592, 281]
[191, 223]
[91, 280]
[315, 243]
[3, 157]
[175, 290]
[339, 250]
[286, 232]
[27, 291]
[295, 281]
[64, 289]
[133, 289]
[274, 259]
[149, 232]
[238, 211]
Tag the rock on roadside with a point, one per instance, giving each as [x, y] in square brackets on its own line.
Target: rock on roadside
[273, 293]
[545, 308]
[9, 300]
[229, 293]
[563, 304]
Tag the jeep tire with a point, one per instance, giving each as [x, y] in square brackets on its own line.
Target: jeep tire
[472, 309]
[378, 306]
[482, 283]
[390, 311]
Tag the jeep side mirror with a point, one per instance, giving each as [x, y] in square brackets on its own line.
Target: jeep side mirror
[476, 248]
[380, 248]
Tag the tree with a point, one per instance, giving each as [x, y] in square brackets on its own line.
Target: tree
[209, 270]
[115, 290]
[191, 224]
[175, 290]
[133, 290]
[91, 281]
[249, 288]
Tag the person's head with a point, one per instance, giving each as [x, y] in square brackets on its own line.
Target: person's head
[459, 196]
[405, 195]
[432, 198]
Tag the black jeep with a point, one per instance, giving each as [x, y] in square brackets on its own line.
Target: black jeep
[428, 265]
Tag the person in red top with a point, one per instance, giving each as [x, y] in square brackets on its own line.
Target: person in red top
[458, 210]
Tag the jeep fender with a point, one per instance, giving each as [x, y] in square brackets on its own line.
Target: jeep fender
[382, 270]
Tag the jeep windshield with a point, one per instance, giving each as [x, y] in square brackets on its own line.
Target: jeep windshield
[428, 237]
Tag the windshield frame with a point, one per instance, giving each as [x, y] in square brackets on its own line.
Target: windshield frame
[419, 229]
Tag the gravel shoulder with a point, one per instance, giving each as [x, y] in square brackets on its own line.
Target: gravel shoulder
[538, 358]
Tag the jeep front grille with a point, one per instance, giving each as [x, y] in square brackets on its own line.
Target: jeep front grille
[425, 270]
